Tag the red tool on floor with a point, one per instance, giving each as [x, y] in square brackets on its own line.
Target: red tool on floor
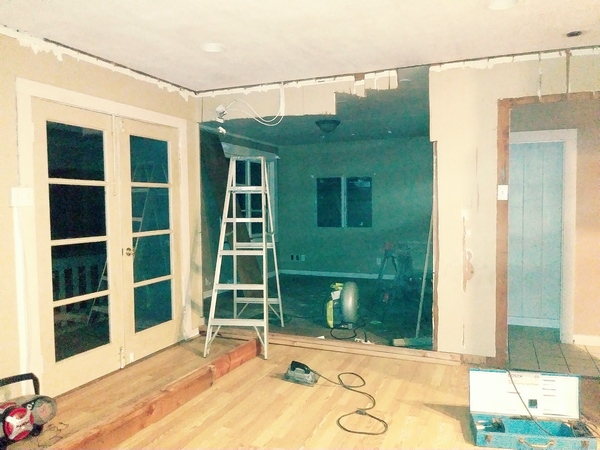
[26, 415]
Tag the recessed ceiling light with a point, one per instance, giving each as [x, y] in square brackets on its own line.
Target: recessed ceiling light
[213, 47]
[574, 33]
[502, 4]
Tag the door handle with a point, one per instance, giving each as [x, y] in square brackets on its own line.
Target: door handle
[129, 251]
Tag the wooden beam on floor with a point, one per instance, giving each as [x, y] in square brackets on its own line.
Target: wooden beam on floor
[356, 348]
[124, 423]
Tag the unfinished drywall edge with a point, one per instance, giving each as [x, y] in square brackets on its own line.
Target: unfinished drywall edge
[38, 45]
[314, 96]
[488, 63]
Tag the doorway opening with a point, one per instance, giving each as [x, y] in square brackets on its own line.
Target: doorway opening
[547, 340]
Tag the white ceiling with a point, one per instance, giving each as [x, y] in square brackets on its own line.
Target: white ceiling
[267, 41]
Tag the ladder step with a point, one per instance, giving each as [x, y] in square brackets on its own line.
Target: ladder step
[247, 189]
[244, 219]
[251, 245]
[243, 252]
[240, 286]
[252, 300]
[237, 322]
[100, 309]
[137, 219]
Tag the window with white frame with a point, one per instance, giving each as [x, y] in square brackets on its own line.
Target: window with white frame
[248, 174]
[344, 202]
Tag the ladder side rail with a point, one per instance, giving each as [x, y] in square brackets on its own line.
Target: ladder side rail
[271, 233]
[265, 268]
[210, 335]
[234, 238]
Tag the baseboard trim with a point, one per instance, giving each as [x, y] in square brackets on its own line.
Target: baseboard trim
[582, 339]
[528, 322]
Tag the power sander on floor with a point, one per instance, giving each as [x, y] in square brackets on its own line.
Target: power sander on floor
[301, 374]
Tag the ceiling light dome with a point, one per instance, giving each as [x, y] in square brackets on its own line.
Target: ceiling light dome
[327, 125]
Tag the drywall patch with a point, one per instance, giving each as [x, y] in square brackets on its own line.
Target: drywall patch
[41, 46]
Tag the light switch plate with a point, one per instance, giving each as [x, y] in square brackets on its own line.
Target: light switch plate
[503, 192]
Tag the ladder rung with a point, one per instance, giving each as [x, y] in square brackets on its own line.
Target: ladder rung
[271, 301]
[247, 189]
[100, 309]
[237, 322]
[137, 219]
[240, 286]
[244, 219]
[140, 190]
[243, 252]
[251, 245]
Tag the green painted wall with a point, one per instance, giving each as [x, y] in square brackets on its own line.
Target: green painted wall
[402, 174]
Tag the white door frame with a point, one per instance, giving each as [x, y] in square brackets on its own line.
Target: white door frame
[569, 137]
[24, 216]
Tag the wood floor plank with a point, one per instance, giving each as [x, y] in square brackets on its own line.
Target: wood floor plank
[84, 407]
[253, 407]
[425, 404]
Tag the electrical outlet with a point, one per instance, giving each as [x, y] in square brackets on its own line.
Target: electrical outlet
[297, 257]
[378, 261]
[302, 257]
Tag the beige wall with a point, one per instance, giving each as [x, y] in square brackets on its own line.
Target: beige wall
[402, 176]
[463, 100]
[582, 115]
[19, 60]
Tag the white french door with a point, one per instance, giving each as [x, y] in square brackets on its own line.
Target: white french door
[148, 184]
[105, 195]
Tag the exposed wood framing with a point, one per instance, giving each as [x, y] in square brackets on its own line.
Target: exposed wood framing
[504, 108]
[436, 246]
[356, 348]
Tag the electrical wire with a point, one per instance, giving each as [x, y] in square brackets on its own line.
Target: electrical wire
[274, 121]
[358, 411]
[345, 337]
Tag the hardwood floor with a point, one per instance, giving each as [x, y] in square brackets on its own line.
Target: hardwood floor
[424, 404]
[84, 408]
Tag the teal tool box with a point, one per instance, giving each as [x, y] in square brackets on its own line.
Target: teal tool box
[527, 410]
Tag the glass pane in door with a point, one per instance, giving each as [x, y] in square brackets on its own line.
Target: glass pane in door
[78, 245]
[151, 233]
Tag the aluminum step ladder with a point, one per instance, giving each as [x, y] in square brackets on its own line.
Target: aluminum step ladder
[261, 245]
